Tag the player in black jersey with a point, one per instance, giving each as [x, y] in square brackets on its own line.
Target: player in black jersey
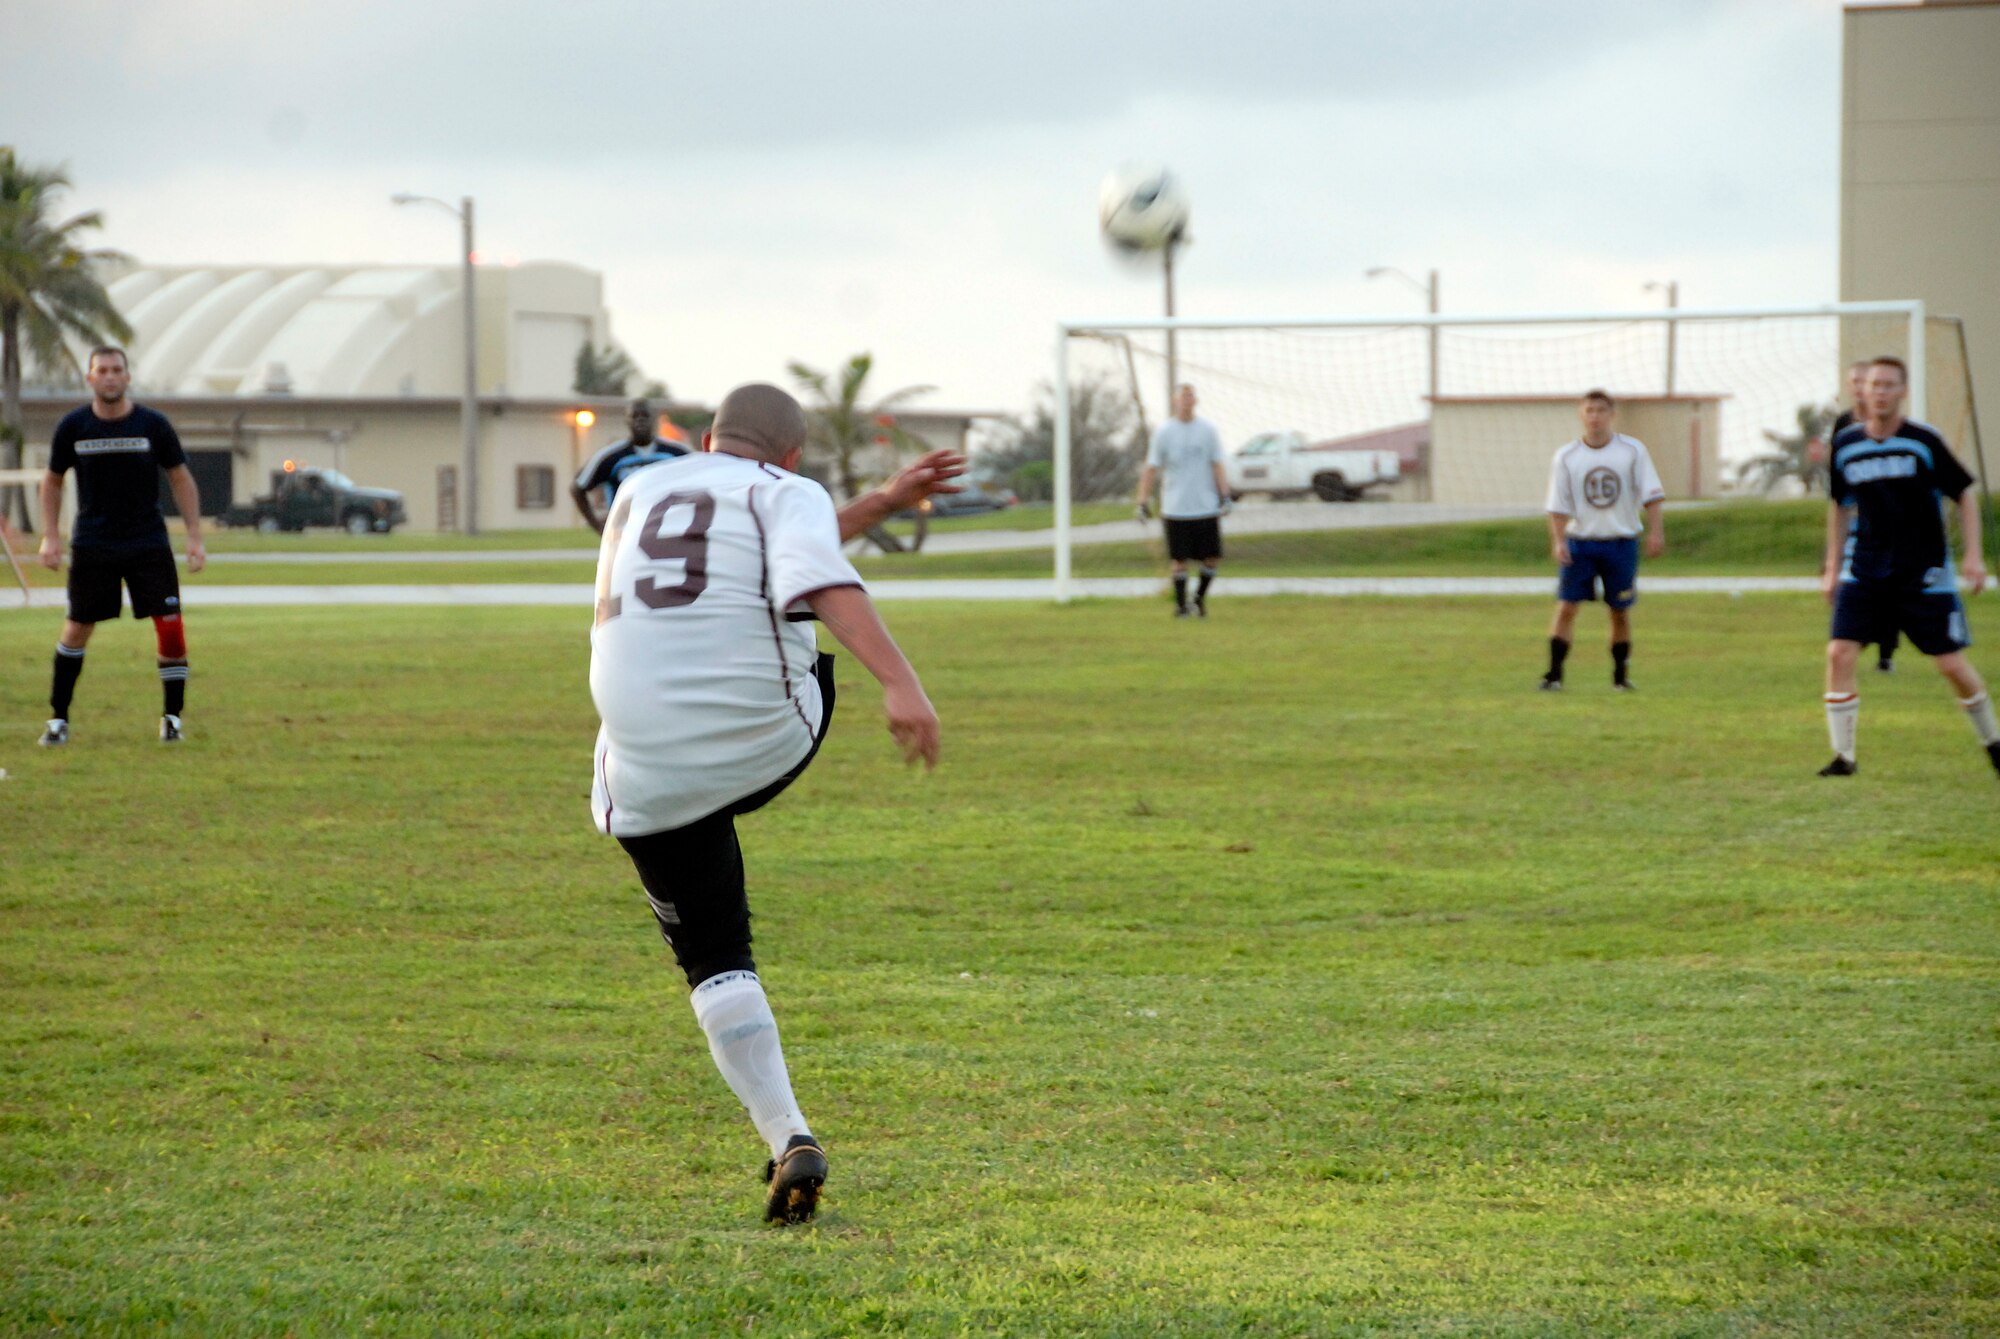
[596, 484]
[118, 450]
[1857, 381]
[1894, 570]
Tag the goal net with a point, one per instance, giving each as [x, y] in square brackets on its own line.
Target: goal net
[1344, 423]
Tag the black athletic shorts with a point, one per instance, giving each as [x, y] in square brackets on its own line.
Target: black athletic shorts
[1192, 541]
[1874, 611]
[94, 580]
[693, 875]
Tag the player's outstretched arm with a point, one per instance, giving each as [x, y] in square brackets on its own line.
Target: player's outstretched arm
[850, 616]
[930, 473]
[1973, 568]
[1836, 546]
[187, 498]
[51, 551]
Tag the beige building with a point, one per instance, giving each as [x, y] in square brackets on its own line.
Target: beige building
[1920, 182]
[1495, 450]
[360, 368]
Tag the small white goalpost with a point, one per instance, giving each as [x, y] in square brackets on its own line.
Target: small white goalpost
[1751, 369]
[25, 479]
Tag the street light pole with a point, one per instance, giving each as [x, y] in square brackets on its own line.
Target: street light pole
[1673, 290]
[1430, 292]
[468, 404]
[1173, 351]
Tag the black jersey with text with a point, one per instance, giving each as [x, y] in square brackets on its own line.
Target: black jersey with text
[1896, 487]
[117, 463]
[609, 467]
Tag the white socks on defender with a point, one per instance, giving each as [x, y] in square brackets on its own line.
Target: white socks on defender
[743, 1038]
[1979, 710]
[1843, 718]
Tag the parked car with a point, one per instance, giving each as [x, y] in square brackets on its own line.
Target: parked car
[1285, 464]
[303, 497]
[972, 500]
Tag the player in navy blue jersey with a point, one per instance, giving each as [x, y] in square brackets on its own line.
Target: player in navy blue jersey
[1888, 558]
[596, 484]
[1857, 381]
[118, 450]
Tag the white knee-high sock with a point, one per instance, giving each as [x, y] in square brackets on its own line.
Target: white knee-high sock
[1979, 710]
[743, 1038]
[1843, 719]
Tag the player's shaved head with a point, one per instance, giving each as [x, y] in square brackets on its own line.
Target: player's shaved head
[762, 420]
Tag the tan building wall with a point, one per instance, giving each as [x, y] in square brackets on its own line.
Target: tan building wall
[1496, 451]
[1920, 182]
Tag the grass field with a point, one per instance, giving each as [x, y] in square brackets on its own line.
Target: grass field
[1299, 972]
[1750, 538]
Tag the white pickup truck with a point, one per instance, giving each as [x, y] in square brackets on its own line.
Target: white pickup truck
[1284, 464]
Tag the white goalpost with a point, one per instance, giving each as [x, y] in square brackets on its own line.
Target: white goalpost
[1475, 404]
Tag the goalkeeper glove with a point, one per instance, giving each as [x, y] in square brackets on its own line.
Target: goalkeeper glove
[1225, 508]
[1144, 511]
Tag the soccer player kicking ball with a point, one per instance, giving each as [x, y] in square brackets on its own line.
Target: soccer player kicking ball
[1888, 561]
[1598, 484]
[714, 698]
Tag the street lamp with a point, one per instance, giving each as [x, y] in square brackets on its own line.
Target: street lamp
[1672, 288]
[468, 406]
[1430, 292]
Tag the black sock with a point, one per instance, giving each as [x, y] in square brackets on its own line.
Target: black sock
[1620, 653]
[1558, 652]
[69, 665]
[1201, 587]
[1180, 590]
[173, 686]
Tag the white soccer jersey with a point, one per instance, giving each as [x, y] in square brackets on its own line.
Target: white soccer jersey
[1602, 488]
[700, 662]
[1186, 455]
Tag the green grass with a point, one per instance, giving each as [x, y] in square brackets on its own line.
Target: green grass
[1299, 972]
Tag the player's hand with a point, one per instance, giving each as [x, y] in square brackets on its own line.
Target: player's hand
[913, 723]
[51, 554]
[197, 556]
[1559, 550]
[1143, 512]
[929, 473]
[1656, 543]
[1225, 507]
[1974, 570]
[1829, 582]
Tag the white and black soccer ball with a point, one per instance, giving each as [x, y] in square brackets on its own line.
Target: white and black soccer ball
[1141, 207]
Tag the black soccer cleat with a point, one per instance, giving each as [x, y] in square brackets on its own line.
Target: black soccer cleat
[1201, 608]
[1623, 686]
[1839, 767]
[795, 1179]
[1552, 683]
[55, 735]
[170, 729]
[1993, 752]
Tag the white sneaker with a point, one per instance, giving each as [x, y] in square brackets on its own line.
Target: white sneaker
[56, 733]
[170, 729]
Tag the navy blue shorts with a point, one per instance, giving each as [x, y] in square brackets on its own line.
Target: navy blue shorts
[1614, 561]
[1875, 611]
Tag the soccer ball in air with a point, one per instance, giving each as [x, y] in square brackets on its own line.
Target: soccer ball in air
[1141, 207]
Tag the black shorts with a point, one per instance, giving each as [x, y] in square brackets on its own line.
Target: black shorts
[1873, 611]
[149, 576]
[693, 875]
[1194, 540]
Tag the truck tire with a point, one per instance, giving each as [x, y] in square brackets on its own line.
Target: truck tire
[267, 525]
[358, 523]
[1332, 487]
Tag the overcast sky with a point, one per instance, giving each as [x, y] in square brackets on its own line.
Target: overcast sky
[765, 180]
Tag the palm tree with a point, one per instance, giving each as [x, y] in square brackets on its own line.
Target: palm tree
[1798, 455]
[840, 424]
[47, 291]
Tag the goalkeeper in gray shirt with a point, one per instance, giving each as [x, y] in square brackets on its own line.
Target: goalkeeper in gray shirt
[1186, 461]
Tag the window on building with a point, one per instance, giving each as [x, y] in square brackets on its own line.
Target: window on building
[534, 487]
